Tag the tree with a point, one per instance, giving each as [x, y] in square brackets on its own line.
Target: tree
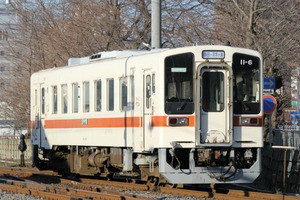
[48, 33]
[270, 27]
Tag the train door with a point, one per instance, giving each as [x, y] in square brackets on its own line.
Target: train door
[147, 108]
[214, 109]
[42, 115]
[35, 116]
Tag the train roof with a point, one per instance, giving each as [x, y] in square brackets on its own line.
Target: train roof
[124, 54]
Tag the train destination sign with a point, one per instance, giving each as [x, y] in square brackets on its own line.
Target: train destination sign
[206, 54]
[269, 104]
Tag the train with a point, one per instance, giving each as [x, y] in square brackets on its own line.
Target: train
[168, 116]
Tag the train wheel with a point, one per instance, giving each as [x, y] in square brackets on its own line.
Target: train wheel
[152, 181]
[169, 185]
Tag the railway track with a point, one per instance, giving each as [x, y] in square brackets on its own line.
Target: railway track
[49, 185]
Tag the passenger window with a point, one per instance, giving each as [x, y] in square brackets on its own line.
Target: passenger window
[110, 96]
[75, 97]
[35, 97]
[98, 96]
[132, 92]
[86, 97]
[123, 93]
[64, 98]
[54, 98]
[43, 100]
[148, 90]
[153, 83]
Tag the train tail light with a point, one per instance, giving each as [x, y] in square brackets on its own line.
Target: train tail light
[254, 121]
[178, 121]
[249, 121]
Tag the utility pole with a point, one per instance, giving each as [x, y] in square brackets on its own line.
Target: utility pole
[156, 24]
[298, 97]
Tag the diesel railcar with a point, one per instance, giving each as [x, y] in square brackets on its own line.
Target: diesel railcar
[190, 115]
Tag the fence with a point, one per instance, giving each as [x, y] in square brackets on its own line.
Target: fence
[281, 167]
[9, 149]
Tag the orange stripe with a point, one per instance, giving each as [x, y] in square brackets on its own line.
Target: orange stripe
[162, 121]
[157, 121]
[94, 123]
[236, 120]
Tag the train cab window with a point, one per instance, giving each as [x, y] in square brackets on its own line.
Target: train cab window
[110, 94]
[64, 98]
[123, 93]
[86, 97]
[179, 84]
[246, 84]
[75, 98]
[98, 95]
[213, 91]
[54, 99]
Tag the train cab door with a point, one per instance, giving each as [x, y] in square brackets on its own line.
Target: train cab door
[147, 109]
[214, 105]
[42, 115]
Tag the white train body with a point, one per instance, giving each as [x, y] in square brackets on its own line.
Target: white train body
[188, 115]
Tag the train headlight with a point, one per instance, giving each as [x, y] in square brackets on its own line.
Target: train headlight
[245, 121]
[178, 121]
[249, 121]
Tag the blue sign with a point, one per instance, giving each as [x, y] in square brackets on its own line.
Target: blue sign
[269, 104]
[294, 116]
[269, 83]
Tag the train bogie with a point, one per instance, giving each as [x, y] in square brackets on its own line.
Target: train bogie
[186, 115]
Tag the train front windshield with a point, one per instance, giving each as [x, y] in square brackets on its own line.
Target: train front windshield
[179, 84]
[246, 84]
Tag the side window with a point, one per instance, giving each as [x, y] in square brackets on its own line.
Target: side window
[35, 97]
[43, 100]
[64, 98]
[54, 99]
[153, 83]
[98, 95]
[110, 96]
[123, 93]
[148, 90]
[86, 97]
[132, 86]
[75, 97]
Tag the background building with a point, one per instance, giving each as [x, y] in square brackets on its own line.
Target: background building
[8, 19]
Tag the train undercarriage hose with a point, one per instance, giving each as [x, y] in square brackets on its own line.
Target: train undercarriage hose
[223, 176]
